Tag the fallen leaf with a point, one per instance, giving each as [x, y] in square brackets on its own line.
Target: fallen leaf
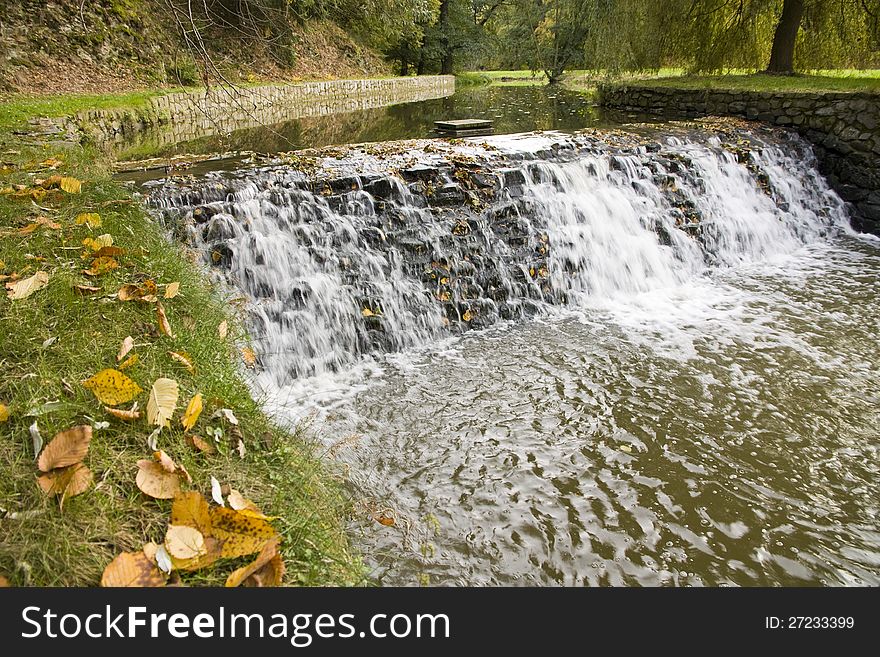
[93, 219]
[240, 448]
[66, 448]
[183, 358]
[467, 316]
[239, 502]
[226, 413]
[184, 543]
[4, 582]
[86, 289]
[156, 481]
[223, 329]
[71, 186]
[128, 416]
[129, 362]
[191, 510]
[216, 492]
[163, 559]
[165, 461]
[366, 312]
[241, 534]
[150, 549]
[132, 569]
[101, 266]
[193, 410]
[249, 357]
[385, 520]
[172, 290]
[67, 482]
[99, 242]
[213, 551]
[127, 346]
[162, 318]
[4, 413]
[266, 570]
[200, 444]
[162, 402]
[106, 251]
[27, 286]
[112, 387]
[36, 439]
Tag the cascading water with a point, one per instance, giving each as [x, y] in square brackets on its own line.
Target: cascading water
[686, 393]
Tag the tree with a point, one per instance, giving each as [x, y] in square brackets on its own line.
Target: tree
[785, 38]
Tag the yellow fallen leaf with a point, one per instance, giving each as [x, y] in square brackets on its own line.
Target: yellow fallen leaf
[27, 286]
[213, 551]
[183, 358]
[193, 410]
[162, 402]
[241, 534]
[112, 387]
[71, 186]
[127, 346]
[101, 266]
[183, 542]
[128, 416]
[156, 481]
[223, 329]
[129, 362]
[66, 448]
[93, 219]
[266, 570]
[4, 413]
[109, 251]
[162, 318]
[172, 290]
[98, 243]
[191, 509]
[132, 569]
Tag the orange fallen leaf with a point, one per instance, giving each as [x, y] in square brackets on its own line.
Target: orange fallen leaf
[127, 346]
[128, 416]
[249, 357]
[155, 481]
[66, 448]
[101, 266]
[67, 482]
[200, 444]
[132, 569]
[266, 570]
[162, 318]
[129, 362]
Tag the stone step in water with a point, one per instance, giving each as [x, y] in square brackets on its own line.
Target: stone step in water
[464, 127]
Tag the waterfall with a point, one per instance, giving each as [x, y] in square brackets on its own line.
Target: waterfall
[375, 251]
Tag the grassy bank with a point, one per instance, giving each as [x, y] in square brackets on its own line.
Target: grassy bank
[61, 334]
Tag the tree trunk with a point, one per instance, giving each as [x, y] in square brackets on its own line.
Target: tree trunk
[445, 47]
[404, 67]
[785, 38]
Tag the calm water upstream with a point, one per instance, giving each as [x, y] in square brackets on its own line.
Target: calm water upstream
[671, 374]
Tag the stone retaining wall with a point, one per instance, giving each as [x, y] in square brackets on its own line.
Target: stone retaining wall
[844, 129]
[184, 116]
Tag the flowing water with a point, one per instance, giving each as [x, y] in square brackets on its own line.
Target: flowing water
[635, 357]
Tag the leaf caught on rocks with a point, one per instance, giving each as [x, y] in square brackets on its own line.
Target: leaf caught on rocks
[241, 534]
[162, 319]
[162, 402]
[66, 448]
[266, 570]
[249, 357]
[132, 569]
[172, 290]
[127, 346]
[27, 286]
[156, 481]
[193, 410]
[112, 387]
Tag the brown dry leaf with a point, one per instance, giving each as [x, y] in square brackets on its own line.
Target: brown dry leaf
[191, 510]
[184, 359]
[162, 318]
[132, 569]
[193, 410]
[200, 444]
[129, 362]
[223, 329]
[112, 387]
[172, 290]
[127, 345]
[162, 402]
[4, 413]
[4, 582]
[249, 357]
[128, 416]
[184, 543]
[384, 520]
[51, 163]
[67, 482]
[129, 292]
[27, 286]
[71, 186]
[48, 223]
[66, 448]
[165, 461]
[150, 550]
[266, 570]
[156, 481]
[101, 266]
[241, 534]
[106, 251]
[86, 289]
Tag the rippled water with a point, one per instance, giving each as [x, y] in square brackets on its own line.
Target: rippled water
[671, 374]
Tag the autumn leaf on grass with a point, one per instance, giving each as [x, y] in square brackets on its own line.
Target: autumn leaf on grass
[193, 410]
[27, 286]
[105, 251]
[127, 346]
[223, 329]
[266, 570]
[66, 448]
[200, 444]
[92, 219]
[192, 510]
[241, 534]
[156, 481]
[145, 292]
[98, 243]
[132, 569]
[85, 290]
[71, 186]
[184, 359]
[172, 290]
[4, 413]
[112, 387]
[128, 416]
[169, 465]
[240, 503]
[48, 223]
[162, 402]
[67, 482]
[101, 266]
[162, 319]
[184, 543]
[129, 362]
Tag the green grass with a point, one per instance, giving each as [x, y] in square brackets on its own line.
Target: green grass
[54, 339]
[760, 82]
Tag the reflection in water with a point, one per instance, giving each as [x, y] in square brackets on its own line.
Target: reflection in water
[513, 109]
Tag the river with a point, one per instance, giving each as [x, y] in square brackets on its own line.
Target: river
[649, 356]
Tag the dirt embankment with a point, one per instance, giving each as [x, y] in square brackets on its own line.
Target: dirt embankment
[100, 46]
